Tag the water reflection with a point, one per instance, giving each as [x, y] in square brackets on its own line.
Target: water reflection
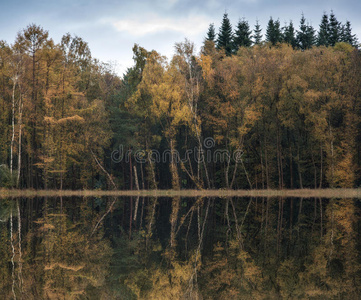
[179, 248]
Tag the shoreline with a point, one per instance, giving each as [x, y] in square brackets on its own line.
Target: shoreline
[298, 193]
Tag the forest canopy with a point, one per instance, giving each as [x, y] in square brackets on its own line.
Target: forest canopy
[289, 104]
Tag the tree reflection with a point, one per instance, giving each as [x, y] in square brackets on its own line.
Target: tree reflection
[180, 248]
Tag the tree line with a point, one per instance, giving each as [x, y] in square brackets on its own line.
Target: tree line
[292, 114]
[53, 115]
[331, 31]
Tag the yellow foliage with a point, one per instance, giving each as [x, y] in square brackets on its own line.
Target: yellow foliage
[344, 175]
[205, 62]
[64, 266]
[74, 118]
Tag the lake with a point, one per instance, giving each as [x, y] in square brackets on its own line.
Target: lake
[143, 247]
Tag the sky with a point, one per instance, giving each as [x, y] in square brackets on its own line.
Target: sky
[112, 27]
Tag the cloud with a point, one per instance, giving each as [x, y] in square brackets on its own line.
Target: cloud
[189, 26]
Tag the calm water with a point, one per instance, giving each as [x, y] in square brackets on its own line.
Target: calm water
[180, 248]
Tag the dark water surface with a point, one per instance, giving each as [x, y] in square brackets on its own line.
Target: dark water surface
[180, 248]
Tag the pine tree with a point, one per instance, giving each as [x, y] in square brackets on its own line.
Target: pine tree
[289, 35]
[347, 36]
[323, 33]
[224, 40]
[273, 32]
[242, 37]
[311, 35]
[306, 35]
[257, 37]
[334, 30]
[211, 34]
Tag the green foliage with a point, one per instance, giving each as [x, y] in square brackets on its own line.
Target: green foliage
[211, 33]
[225, 35]
[242, 36]
[273, 32]
[334, 30]
[347, 36]
[257, 36]
[7, 179]
[289, 35]
[323, 32]
[306, 35]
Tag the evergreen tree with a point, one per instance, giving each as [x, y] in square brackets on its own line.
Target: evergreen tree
[289, 35]
[323, 33]
[273, 32]
[347, 36]
[334, 30]
[211, 34]
[224, 40]
[311, 36]
[242, 37]
[306, 35]
[257, 37]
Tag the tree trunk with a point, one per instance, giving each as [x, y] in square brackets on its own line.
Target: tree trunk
[227, 170]
[173, 166]
[314, 169]
[234, 174]
[130, 217]
[245, 171]
[174, 220]
[266, 162]
[13, 253]
[279, 162]
[299, 166]
[12, 127]
[142, 176]
[321, 167]
[130, 170]
[20, 141]
[332, 158]
[262, 168]
[150, 170]
[136, 177]
[151, 213]
[20, 263]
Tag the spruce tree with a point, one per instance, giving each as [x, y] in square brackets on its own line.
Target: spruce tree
[323, 32]
[347, 36]
[242, 36]
[306, 35]
[289, 35]
[311, 36]
[211, 34]
[257, 37]
[224, 40]
[334, 30]
[273, 32]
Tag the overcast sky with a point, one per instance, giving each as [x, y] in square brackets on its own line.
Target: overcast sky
[112, 27]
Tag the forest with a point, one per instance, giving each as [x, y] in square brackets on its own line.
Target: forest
[287, 105]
